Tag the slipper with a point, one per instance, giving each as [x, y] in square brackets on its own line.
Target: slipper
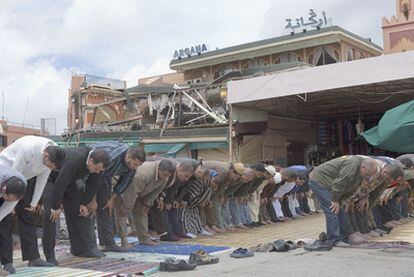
[241, 253]
[171, 264]
[280, 246]
[318, 246]
[201, 257]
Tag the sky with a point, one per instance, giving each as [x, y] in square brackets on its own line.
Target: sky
[44, 42]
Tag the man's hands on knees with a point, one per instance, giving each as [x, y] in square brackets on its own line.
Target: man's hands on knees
[110, 204]
[37, 210]
[92, 207]
[83, 211]
[55, 214]
[335, 207]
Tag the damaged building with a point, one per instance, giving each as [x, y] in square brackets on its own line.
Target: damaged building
[186, 113]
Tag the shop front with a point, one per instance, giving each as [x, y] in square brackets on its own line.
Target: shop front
[318, 113]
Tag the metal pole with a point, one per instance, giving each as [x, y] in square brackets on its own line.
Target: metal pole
[180, 109]
[25, 110]
[168, 115]
[214, 116]
[230, 135]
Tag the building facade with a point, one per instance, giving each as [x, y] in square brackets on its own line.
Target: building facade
[85, 93]
[193, 120]
[398, 31]
[316, 47]
[9, 132]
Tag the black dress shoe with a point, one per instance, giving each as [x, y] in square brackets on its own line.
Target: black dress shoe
[318, 245]
[39, 263]
[115, 248]
[9, 268]
[170, 237]
[171, 264]
[53, 261]
[92, 253]
[386, 229]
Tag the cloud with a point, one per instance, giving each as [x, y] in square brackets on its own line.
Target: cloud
[44, 41]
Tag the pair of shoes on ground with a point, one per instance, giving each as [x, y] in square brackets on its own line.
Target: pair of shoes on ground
[241, 253]
[197, 258]
[201, 257]
[282, 246]
[171, 264]
[320, 244]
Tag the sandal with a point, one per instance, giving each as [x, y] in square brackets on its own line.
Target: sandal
[201, 257]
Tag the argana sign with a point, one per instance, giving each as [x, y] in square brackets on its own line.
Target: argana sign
[190, 51]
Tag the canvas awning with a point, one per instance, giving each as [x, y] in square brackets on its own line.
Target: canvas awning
[380, 69]
[395, 131]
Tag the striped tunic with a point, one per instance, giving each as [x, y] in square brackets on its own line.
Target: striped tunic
[198, 195]
[117, 167]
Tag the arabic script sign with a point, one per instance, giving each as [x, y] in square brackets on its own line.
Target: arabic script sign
[312, 21]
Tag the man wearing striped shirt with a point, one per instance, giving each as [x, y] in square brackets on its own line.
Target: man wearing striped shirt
[123, 163]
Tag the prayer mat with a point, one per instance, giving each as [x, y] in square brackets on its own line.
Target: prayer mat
[55, 271]
[176, 249]
[381, 245]
[62, 248]
[115, 266]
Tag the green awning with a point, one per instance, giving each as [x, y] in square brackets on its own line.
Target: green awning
[208, 145]
[159, 147]
[177, 148]
[172, 149]
[395, 131]
[169, 149]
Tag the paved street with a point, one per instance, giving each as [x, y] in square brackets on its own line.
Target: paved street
[338, 262]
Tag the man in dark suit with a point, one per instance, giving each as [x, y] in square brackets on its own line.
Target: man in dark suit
[74, 186]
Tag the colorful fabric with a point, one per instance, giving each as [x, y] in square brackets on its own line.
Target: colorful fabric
[176, 249]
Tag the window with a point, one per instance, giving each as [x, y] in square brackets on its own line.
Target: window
[256, 63]
[288, 58]
[353, 54]
[223, 71]
[323, 55]
[197, 77]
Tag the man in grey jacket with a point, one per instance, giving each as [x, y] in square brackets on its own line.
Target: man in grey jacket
[149, 180]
